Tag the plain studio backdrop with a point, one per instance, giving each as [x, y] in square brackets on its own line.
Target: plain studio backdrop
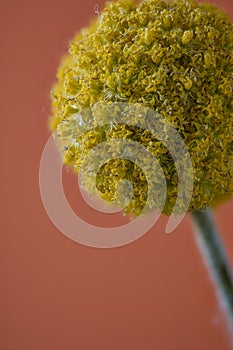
[56, 294]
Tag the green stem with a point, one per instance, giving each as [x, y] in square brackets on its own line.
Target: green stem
[215, 257]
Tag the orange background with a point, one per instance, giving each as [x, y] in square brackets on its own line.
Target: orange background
[56, 294]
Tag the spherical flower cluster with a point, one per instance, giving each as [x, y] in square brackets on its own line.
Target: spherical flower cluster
[174, 57]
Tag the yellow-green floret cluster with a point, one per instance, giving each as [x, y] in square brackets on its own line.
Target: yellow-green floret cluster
[174, 57]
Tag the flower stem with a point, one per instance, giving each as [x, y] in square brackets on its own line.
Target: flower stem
[215, 257]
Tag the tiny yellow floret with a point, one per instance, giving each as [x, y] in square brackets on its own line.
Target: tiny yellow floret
[187, 37]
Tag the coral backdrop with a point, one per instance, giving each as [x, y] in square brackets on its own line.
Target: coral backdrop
[56, 294]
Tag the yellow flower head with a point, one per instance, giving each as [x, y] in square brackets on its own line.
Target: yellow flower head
[173, 57]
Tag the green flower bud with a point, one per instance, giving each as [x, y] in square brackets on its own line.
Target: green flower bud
[175, 58]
